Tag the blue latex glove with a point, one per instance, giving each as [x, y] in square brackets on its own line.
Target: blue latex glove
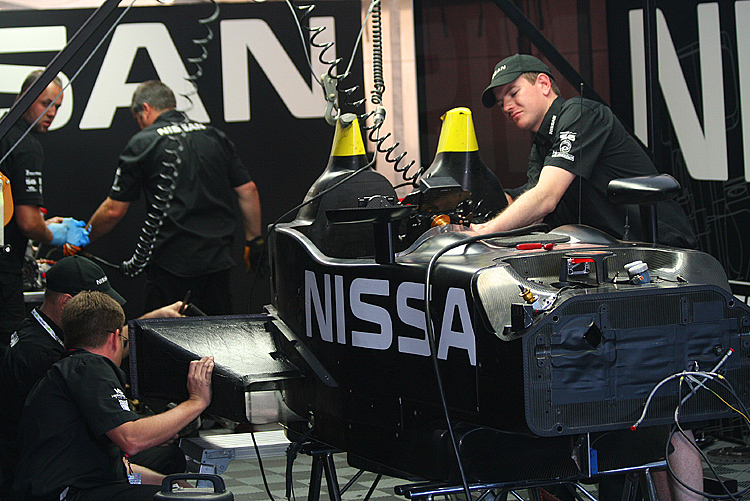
[59, 233]
[77, 235]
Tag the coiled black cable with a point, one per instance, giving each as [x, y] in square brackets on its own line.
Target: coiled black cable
[377, 56]
[144, 249]
[378, 116]
[199, 60]
[332, 83]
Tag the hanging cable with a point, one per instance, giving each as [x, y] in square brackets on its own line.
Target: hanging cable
[199, 60]
[157, 213]
[330, 80]
[332, 85]
[678, 427]
[692, 375]
[378, 115]
[377, 56]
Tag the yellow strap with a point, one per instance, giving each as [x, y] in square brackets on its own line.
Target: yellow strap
[7, 199]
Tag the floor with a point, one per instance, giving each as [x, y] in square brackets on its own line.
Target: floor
[243, 476]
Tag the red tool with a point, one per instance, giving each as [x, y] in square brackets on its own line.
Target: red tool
[534, 245]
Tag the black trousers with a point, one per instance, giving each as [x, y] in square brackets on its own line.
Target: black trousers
[12, 308]
[165, 459]
[209, 292]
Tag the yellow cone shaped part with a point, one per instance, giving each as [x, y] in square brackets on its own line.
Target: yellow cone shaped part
[458, 158]
[347, 155]
[347, 140]
[457, 133]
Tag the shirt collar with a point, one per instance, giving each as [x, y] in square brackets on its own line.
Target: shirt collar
[83, 353]
[547, 129]
[170, 116]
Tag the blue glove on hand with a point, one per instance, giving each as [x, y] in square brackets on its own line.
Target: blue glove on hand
[77, 235]
[59, 233]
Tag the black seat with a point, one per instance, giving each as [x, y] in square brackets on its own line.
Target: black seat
[348, 241]
[646, 192]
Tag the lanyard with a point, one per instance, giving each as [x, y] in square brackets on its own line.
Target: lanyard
[47, 327]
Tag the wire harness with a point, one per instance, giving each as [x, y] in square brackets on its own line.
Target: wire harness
[697, 380]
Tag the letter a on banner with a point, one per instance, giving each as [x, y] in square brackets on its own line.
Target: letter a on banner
[111, 90]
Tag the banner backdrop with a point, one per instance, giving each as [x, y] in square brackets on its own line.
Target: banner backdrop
[702, 110]
[256, 85]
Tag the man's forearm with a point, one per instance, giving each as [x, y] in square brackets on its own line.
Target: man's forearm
[249, 202]
[148, 476]
[106, 217]
[533, 205]
[524, 211]
[31, 223]
[144, 433]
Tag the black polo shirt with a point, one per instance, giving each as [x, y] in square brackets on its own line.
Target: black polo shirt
[64, 425]
[24, 169]
[196, 235]
[585, 138]
[35, 346]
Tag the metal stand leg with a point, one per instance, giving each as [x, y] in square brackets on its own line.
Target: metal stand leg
[313, 492]
[331, 479]
[647, 484]
[631, 487]
[322, 460]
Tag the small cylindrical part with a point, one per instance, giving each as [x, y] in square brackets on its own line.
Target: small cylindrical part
[440, 220]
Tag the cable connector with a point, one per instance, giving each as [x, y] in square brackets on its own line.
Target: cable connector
[379, 115]
[329, 87]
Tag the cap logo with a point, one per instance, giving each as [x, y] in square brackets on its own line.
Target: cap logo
[498, 70]
[100, 281]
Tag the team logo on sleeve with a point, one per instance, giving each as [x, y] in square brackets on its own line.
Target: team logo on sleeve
[116, 183]
[121, 398]
[33, 181]
[566, 144]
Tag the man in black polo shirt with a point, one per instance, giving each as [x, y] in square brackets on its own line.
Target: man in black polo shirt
[21, 161]
[579, 147]
[190, 175]
[77, 428]
[38, 343]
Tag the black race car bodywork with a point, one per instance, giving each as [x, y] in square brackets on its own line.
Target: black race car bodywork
[549, 344]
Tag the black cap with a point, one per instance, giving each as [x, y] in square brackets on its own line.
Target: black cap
[74, 274]
[508, 70]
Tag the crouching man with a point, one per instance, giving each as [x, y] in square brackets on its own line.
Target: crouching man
[77, 428]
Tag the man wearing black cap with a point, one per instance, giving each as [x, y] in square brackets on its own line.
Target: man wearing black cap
[579, 147]
[77, 427]
[38, 343]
